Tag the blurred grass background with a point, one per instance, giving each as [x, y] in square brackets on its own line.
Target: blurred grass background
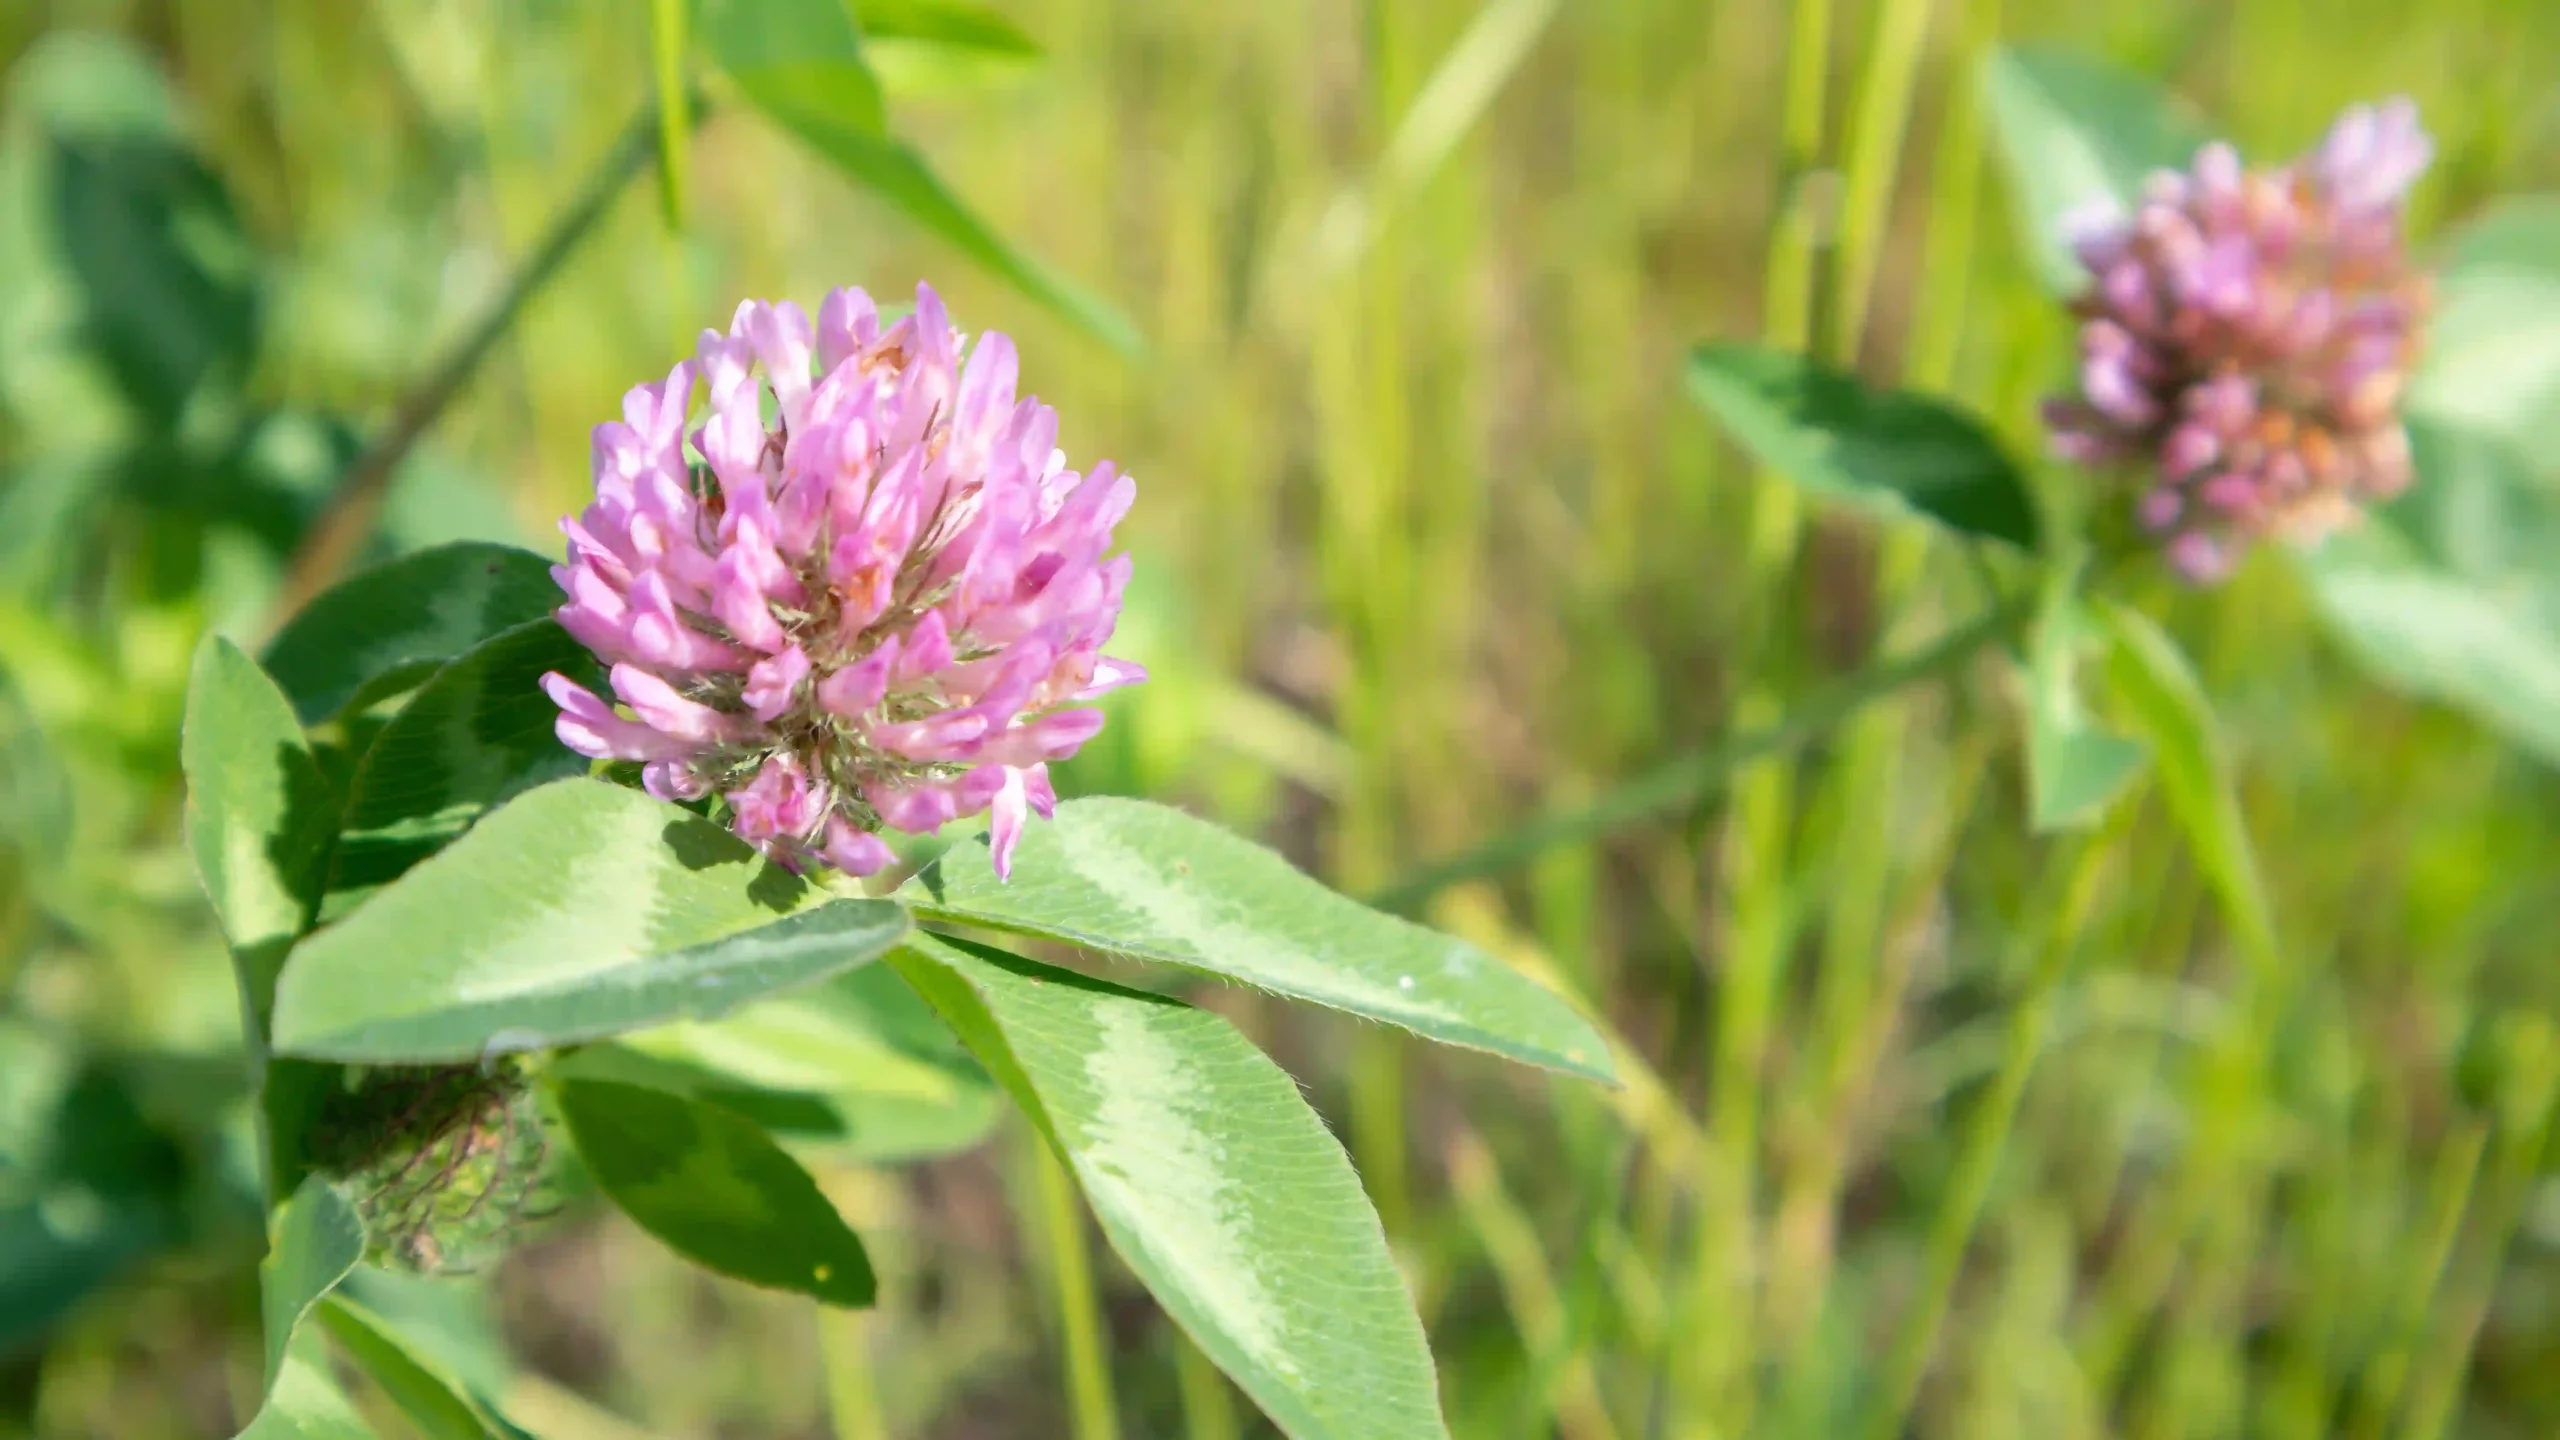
[1429, 541]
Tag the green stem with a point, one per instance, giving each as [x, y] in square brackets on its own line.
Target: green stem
[1088, 1370]
[1877, 124]
[667, 39]
[1208, 1407]
[1986, 1137]
[340, 533]
[1685, 781]
[853, 1387]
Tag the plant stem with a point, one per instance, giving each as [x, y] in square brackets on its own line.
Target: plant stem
[1986, 1137]
[853, 1388]
[1088, 1370]
[667, 40]
[1685, 781]
[1877, 124]
[1208, 1408]
[343, 527]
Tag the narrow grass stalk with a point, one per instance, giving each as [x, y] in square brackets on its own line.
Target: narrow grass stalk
[1093, 1406]
[667, 42]
[1985, 1140]
[1877, 125]
[343, 527]
[1689, 779]
[853, 1384]
[1572, 1395]
[2528, 1112]
[1208, 1406]
[2449, 1189]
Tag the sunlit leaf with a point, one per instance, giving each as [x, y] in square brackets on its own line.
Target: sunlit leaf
[431, 1397]
[716, 1190]
[2078, 133]
[476, 735]
[313, 1240]
[304, 1402]
[1151, 883]
[1830, 433]
[2450, 593]
[379, 632]
[2492, 362]
[1223, 1191]
[858, 1061]
[2074, 766]
[578, 911]
[963, 25]
[2168, 704]
[259, 817]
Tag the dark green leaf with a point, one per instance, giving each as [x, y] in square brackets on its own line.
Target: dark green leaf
[894, 171]
[798, 61]
[2493, 344]
[1222, 1190]
[1151, 883]
[88, 1184]
[476, 735]
[578, 911]
[2074, 767]
[380, 632]
[2078, 133]
[430, 1396]
[716, 1190]
[1828, 432]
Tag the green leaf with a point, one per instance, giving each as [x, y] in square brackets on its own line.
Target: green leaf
[2169, 704]
[1829, 433]
[896, 173]
[946, 24]
[798, 61]
[859, 1061]
[2075, 768]
[313, 1240]
[88, 1184]
[258, 818]
[259, 815]
[2492, 362]
[477, 734]
[716, 1190]
[1222, 1190]
[433, 1399]
[2076, 133]
[581, 910]
[1150, 883]
[2449, 593]
[304, 1402]
[378, 633]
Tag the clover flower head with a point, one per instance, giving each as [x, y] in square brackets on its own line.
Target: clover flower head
[863, 592]
[2245, 337]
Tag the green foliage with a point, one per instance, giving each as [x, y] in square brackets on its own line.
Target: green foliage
[798, 61]
[1829, 433]
[1217, 1184]
[478, 733]
[2492, 365]
[1147, 882]
[580, 911]
[433, 1399]
[716, 1190]
[2076, 133]
[313, 1241]
[382, 631]
[2075, 768]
